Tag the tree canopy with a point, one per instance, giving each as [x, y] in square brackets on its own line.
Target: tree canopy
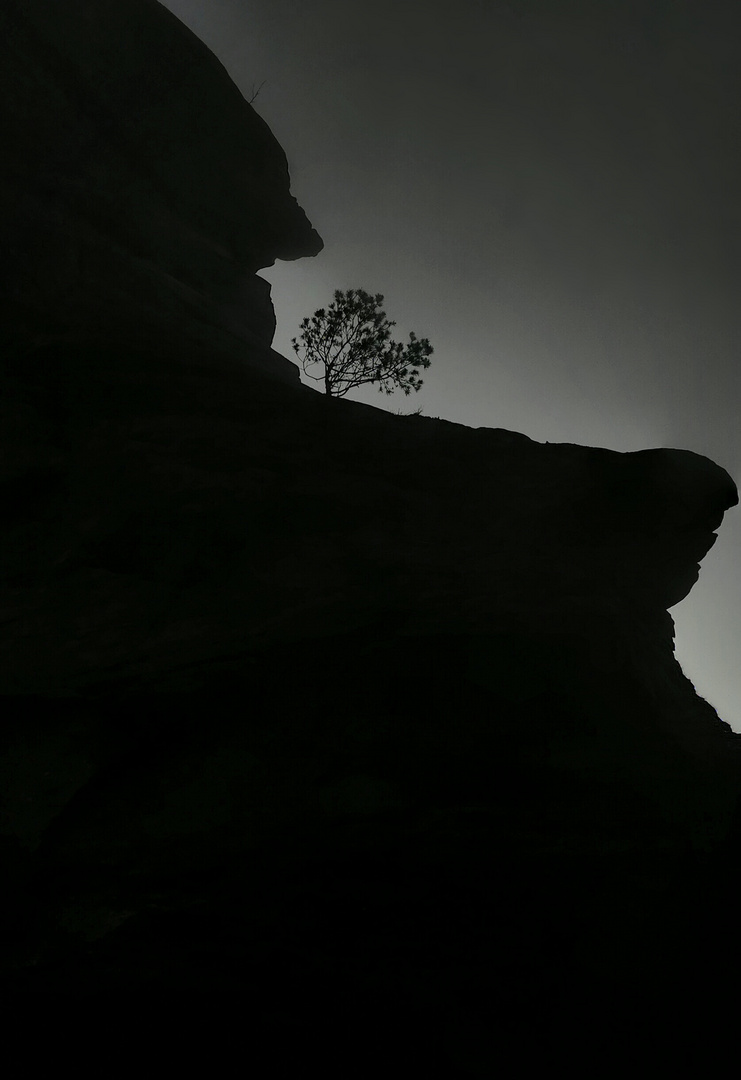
[349, 344]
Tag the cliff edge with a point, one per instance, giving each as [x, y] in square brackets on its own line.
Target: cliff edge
[142, 192]
[339, 736]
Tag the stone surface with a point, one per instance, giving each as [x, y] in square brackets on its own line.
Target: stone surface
[142, 191]
[334, 713]
[351, 739]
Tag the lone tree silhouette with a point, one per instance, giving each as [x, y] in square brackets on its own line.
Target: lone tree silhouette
[351, 343]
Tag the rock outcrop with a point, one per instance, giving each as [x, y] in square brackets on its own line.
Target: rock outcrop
[142, 192]
[366, 729]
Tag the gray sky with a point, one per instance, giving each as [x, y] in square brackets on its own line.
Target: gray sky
[546, 189]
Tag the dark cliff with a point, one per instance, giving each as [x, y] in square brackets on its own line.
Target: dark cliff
[364, 732]
[143, 191]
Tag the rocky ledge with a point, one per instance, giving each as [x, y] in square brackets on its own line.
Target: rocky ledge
[353, 739]
[142, 191]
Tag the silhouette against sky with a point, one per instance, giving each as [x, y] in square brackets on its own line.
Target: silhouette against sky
[548, 190]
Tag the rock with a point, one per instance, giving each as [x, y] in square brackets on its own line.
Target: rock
[143, 192]
[366, 729]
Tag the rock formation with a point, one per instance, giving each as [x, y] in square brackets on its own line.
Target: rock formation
[366, 729]
[142, 191]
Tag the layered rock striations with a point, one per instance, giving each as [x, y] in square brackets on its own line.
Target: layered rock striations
[367, 728]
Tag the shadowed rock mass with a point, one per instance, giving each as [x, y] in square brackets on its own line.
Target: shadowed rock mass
[350, 738]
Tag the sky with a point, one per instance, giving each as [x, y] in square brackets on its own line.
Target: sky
[548, 190]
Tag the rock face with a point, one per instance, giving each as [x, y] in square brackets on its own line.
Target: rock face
[142, 191]
[365, 729]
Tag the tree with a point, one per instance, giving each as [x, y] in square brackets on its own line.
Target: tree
[351, 343]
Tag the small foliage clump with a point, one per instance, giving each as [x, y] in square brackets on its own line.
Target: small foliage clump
[349, 344]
